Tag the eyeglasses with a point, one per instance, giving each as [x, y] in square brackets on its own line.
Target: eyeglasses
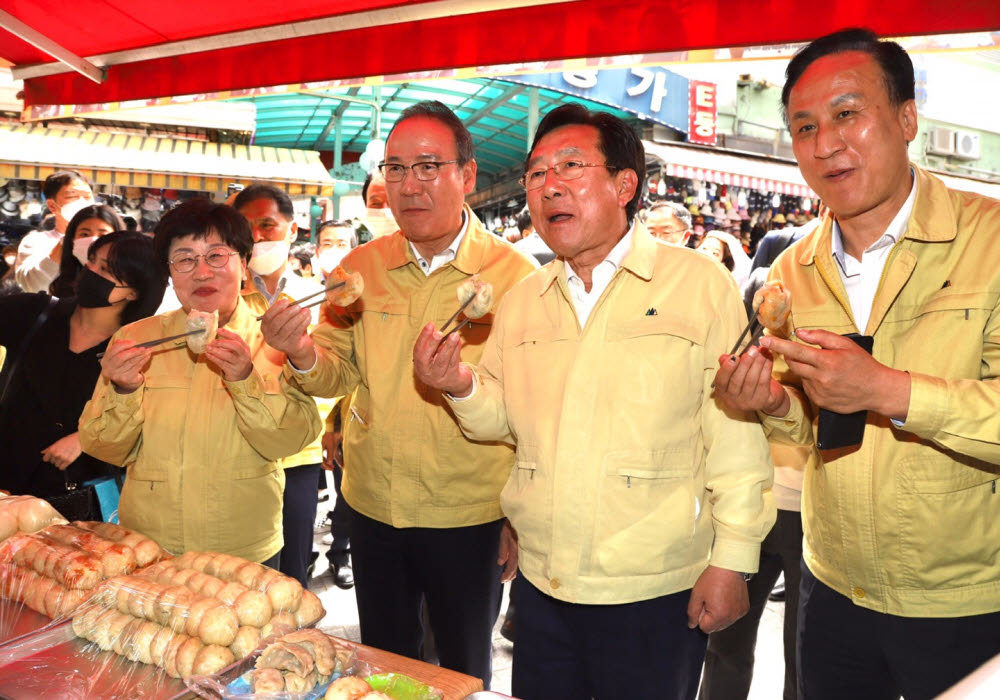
[567, 170]
[424, 170]
[667, 233]
[188, 262]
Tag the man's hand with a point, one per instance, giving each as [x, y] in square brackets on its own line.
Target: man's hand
[507, 557]
[63, 452]
[123, 363]
[745, 383]
[285, 328]
[331, 444]
[841, 376]
[231, 355]
[719, 598]
[439, 364]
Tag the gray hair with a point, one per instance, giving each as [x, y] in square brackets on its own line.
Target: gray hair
[678, 211]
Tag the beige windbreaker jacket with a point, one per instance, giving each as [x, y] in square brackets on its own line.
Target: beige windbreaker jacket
[630, 478]
[909, 523]
[407, 463]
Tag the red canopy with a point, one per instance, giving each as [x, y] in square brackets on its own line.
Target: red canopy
[296, 41]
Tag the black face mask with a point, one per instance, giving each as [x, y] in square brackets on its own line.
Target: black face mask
[93, 291]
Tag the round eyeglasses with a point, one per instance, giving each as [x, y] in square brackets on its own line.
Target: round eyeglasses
[424, 170]
[188, 261]
[567, 170]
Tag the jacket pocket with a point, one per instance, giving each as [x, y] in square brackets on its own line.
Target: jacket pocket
[646, 511]
[660, 325]
[948, 524]
[953, 324]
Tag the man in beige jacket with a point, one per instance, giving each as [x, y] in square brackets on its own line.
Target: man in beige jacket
[638, 501]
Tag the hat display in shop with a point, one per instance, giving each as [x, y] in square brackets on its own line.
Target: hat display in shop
[733, 215]
[706, 210]
[3, 194]
[744, 214]
[15, 190]
[778, 218]
[719, 212]
[9, 209]
[152, 201]
[34, 186]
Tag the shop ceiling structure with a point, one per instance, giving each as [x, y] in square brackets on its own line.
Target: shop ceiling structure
[98, 51]
[497, 114]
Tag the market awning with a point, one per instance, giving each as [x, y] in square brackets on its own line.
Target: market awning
[32, 152]
[763, 173]
[96, 51]
[709, 165]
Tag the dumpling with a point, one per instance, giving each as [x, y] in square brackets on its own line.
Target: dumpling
[343, 287]
[197, 320]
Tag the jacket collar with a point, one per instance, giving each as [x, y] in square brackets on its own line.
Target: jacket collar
[640, 259]
[471, 251]
[933, 219]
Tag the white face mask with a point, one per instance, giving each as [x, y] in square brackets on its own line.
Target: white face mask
[329, 258]
[380, 222]
[69, 209]
[268, 256]
[80, 247]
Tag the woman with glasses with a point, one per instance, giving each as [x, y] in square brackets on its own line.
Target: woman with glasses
[200, 433]
[52, 370]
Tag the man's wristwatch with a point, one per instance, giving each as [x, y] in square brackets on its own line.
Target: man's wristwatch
[746, 577]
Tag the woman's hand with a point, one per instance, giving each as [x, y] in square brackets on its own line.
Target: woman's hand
[231, 355]
[122, 365]
[63, 452]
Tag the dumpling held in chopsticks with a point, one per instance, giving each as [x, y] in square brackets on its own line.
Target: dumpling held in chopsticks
[201, 320]
[343, 287]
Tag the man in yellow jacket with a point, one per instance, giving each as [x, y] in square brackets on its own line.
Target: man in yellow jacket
[425, 500]
[901, 590]
[639, 503]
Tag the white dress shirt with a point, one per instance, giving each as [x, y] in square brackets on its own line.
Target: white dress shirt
[861, 277]
[446, 255]
[600, 278]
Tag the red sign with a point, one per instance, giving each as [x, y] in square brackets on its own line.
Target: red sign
[702, 112]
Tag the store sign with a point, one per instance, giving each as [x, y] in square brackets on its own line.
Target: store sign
[703, 113]
[651, 93]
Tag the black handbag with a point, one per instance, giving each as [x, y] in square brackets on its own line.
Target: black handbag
[79, 502]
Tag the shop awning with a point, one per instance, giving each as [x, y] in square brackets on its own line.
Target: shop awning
[763, 173]
[33, 152]
[759, 173]
[97, 51]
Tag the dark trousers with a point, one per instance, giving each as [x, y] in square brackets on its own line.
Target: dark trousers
[298, 514]
[340, 526]
[640, 651]
[730, 654]
[454, 569]
[846, 651]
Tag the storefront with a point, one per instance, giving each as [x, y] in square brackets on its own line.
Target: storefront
[142, 174]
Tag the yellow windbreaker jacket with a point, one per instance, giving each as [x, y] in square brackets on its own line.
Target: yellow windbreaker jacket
[201, 452]
[630, 478]
[407, 463]
[909, 522]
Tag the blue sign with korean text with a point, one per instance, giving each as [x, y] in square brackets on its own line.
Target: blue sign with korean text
[651, 93]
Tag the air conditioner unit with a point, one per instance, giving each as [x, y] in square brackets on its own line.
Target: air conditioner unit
[966, 145]
[941, 141]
